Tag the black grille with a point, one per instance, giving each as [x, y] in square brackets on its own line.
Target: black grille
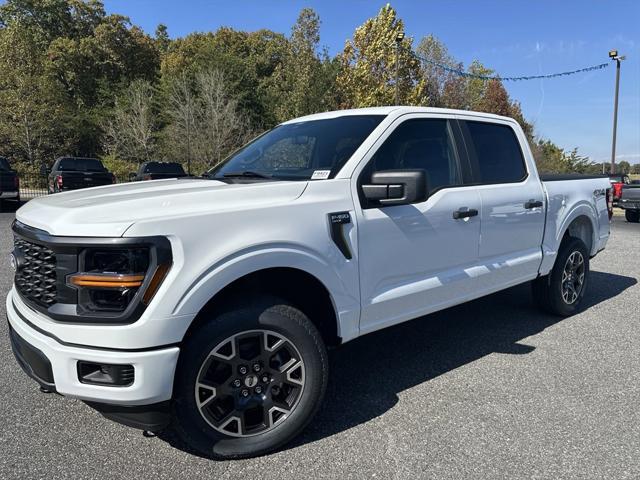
[36, 273]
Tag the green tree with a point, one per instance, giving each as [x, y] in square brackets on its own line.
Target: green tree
[303, 82]
[367, 77]
[32, 110]
[442, 88]
[623, 167]
[249, 61]
[162, 38]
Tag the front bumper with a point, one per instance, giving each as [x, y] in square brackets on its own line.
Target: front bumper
[154, 369]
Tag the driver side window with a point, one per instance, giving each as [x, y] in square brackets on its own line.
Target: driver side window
[425, 144]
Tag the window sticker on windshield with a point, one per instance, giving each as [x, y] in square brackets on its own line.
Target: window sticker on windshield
[320, 174]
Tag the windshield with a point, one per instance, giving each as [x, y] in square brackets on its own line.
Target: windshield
[4, 164]
[315, 149]
[80, 165]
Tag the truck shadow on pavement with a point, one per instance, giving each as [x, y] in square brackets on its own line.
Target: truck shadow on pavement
[367, 374]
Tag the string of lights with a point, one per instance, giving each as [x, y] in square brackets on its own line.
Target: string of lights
[462, 73]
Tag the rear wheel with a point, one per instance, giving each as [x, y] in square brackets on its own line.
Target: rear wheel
[632, 216]
[561, 291]
[250, 380]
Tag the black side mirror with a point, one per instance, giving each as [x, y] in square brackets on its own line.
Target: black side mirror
[396, 187]
[132, 177]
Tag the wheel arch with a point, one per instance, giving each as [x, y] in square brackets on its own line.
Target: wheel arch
[294, 285]
[582, 227]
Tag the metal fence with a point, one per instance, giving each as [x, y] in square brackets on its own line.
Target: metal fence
[32, 186]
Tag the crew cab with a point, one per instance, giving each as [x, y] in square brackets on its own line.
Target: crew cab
[206, 305]
[158, 171]
[73, 173]
[630, 202]
[9, 182]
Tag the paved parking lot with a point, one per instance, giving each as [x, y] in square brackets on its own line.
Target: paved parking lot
[490, 389]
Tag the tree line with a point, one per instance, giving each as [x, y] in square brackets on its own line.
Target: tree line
[78, 81]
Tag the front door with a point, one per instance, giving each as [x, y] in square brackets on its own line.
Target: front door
[415, 259]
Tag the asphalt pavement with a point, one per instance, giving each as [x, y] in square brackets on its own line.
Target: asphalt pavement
[490, 389]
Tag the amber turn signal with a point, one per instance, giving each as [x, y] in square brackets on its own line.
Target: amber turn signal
[106, 280]
[154, 284]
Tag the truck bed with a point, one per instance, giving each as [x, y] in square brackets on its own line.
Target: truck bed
[566, 203]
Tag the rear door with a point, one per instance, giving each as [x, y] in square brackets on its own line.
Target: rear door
[513, 209]
[415, 259]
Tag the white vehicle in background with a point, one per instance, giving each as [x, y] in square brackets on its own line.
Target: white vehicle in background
[208, 304]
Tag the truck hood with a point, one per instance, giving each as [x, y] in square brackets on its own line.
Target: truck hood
[109, 211]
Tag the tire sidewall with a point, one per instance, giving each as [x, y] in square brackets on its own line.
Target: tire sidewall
[632, 216]
[571, 245]
[270, 314]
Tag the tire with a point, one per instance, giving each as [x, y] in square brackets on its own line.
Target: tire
[222, 423]
[549, 292]
[632, 216]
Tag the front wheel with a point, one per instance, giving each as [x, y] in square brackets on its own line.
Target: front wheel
[249, 380]
[561, 292]
[632, 216]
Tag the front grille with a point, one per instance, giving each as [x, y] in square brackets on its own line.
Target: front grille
[36, 276]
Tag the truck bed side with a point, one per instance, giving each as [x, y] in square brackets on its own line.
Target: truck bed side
[578, 204]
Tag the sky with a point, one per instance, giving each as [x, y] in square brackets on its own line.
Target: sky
[512, 37]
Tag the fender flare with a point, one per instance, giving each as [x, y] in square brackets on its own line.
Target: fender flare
[262, 257]
[550, 251]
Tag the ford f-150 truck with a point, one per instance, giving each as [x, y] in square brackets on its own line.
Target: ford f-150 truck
[72, 173]
[206, 304]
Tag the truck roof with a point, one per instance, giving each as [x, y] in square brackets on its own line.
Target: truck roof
[394, 109]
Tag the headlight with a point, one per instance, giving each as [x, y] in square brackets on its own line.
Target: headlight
[110, 279]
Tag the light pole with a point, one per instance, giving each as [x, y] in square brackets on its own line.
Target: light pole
[613, 54]
[399, 38]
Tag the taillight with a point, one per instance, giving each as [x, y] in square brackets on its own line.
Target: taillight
[610, 202]
[617, 190]
[59, 181]
[113, 178]
[16, 182]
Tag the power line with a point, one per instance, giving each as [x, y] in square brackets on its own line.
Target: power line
[462, 73]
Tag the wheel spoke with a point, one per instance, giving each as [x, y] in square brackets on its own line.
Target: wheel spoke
[211, 394]
[250, 383]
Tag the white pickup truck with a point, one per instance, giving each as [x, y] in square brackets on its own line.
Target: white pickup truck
[206, 304]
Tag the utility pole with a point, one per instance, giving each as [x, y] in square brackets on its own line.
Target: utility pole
[613, 54]
[399, 38]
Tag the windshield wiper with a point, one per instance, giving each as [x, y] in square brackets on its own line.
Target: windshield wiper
[246, 173]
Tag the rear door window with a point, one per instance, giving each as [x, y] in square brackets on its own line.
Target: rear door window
[495, 152]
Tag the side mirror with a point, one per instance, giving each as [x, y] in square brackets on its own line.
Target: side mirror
[132, 177]
[396, 187]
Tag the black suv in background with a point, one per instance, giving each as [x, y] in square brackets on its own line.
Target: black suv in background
[9, 182]
[158, 171]
[73, 173]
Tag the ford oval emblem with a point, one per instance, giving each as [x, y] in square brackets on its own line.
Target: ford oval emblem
[17, 260]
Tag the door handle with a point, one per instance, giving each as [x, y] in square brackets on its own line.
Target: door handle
[465, 213]
[532, 204]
